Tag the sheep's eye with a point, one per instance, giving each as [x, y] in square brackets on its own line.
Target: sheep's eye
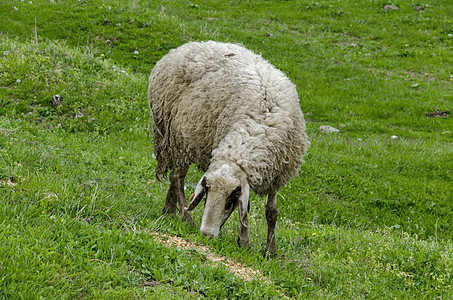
[230, 203]
[233, 198]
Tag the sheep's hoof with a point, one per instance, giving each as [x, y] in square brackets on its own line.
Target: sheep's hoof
[244, 243]
[169, 210]
[188, 219]
[271, 255]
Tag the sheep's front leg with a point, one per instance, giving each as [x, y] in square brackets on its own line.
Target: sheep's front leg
[271, 217]
[243, 239]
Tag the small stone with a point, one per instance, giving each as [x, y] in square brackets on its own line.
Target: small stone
[8, 182]
[394, 137]
[136, 52]
[328, 129]
[388, 7]
[419, 8]
[269, 35]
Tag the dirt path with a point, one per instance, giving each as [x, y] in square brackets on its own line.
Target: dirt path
[236, 268]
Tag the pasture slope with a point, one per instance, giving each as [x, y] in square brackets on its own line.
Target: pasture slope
[368, 217]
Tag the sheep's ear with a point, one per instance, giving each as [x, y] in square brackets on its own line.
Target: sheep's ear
[243, 205]
[200, 191]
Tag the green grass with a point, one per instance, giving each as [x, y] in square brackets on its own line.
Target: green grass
[368, 217]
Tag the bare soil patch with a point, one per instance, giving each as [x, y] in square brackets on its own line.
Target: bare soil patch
[438, 113]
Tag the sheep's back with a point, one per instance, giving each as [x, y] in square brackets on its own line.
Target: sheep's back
[200, 91]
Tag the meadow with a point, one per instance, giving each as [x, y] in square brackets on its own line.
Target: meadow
[369, 216]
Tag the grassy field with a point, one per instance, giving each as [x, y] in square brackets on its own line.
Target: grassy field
[370, 215]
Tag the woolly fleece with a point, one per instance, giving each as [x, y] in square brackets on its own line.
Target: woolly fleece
[216, 103]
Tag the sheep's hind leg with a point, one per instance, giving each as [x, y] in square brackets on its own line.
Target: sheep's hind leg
[178, 180]
[175, 195]
[172, 200]
[170, 205]
[271, 217]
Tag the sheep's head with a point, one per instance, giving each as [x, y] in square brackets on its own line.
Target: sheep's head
[224, 192]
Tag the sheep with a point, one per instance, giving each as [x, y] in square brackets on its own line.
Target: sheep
[237, 117]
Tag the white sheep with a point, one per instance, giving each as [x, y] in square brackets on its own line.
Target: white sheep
[234, 115]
